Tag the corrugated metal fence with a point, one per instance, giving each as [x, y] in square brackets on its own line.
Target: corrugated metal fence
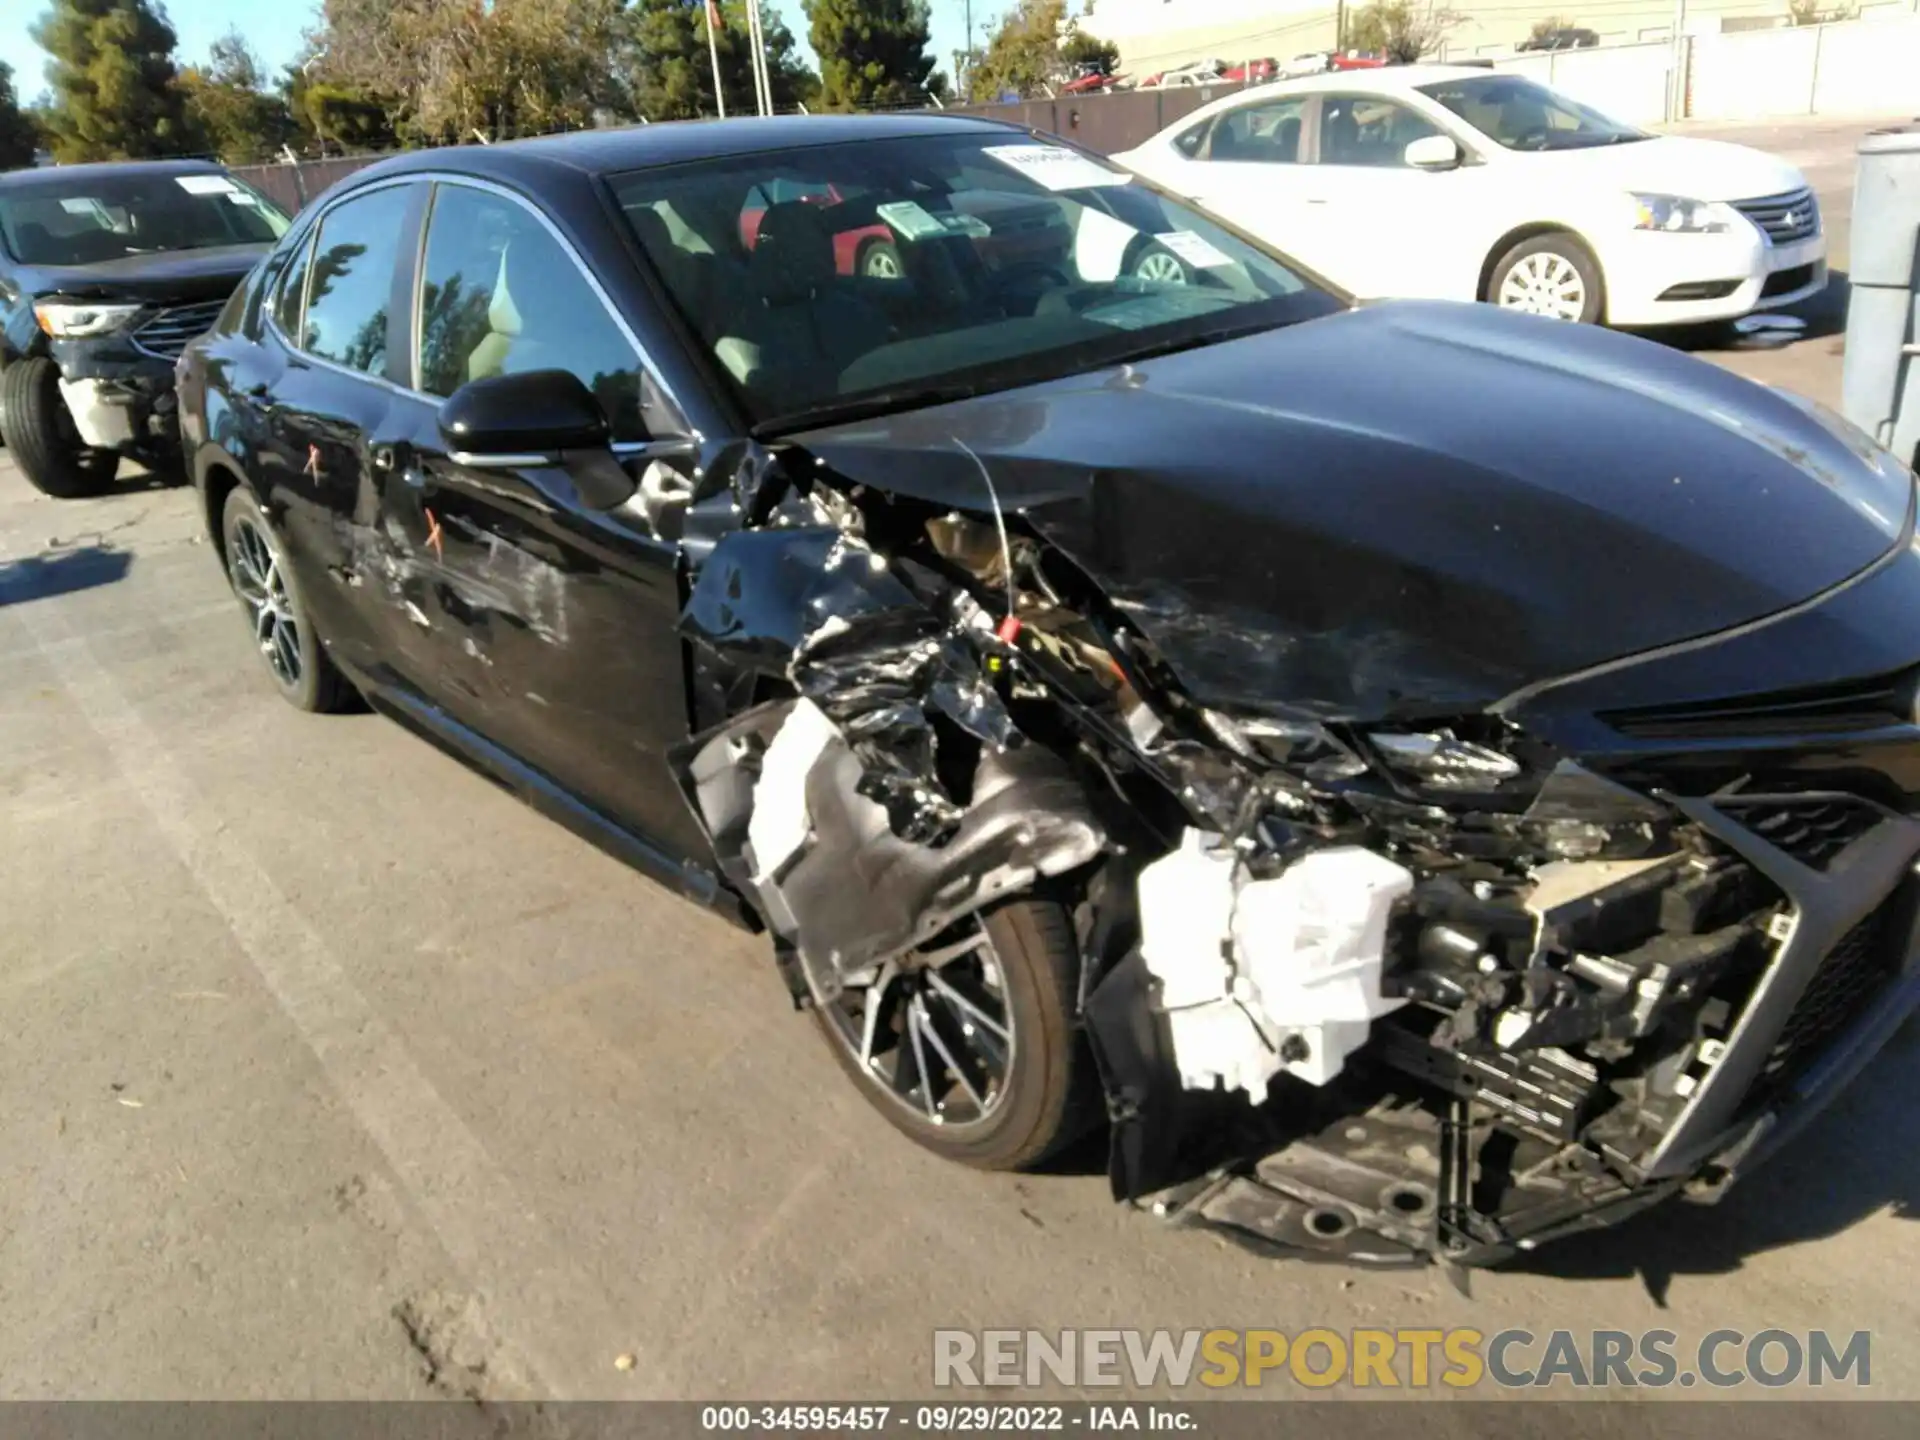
[1106, 123]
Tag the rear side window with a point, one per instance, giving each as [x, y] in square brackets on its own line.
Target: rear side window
[290, 292]
[352, 279]
[500, 295]
[1188, 141]
[1266, 134]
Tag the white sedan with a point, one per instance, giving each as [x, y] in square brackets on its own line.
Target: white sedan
[1449, 182]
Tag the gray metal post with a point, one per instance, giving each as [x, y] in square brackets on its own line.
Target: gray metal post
[1880, 376]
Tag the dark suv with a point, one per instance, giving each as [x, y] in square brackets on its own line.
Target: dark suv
[106, 271]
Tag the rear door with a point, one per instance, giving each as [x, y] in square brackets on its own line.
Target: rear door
[556, 623]
[332, 405]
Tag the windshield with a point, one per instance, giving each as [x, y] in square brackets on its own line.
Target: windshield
[852, 278]
[92, 218]
[1525, 115]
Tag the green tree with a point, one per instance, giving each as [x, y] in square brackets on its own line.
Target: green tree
[1023, 52]
[114, 91]
[873, 53]
[1543, 28]
[1089, 52]
[237, 117]
[19, 136]
[331, 118]
[1401, 30]
[669, 75]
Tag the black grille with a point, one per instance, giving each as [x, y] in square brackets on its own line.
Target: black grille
[1784, 218]
[1847, 980]
[1813, 830]
[168, 332]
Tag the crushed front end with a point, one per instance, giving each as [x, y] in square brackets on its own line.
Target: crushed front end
[1446, 982]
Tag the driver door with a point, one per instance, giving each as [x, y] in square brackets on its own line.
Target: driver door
[556, 620]
[1245, 165]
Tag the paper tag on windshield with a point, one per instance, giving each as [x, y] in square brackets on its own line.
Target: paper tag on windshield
[970, 225]
[80, 207]
[1194, 249]
[240, 197]
[204, 184]
[1055, 168]
[909, 220]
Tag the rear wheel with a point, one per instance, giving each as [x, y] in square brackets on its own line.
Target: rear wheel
[1159, 265]
[967, 1044]
[40, 433]
[1552, 275]
[288, 644]
[880, 260]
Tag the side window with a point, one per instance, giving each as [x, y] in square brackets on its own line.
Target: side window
[1360, 130]
[290, 291]
[499, 296]
[1264, 133]
[1187, 142]
[352, 279]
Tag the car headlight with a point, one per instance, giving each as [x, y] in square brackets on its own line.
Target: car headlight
[76, 320]
[1677, 215]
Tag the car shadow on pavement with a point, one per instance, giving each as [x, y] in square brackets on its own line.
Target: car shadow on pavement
[61, 572]
[1860, 1158]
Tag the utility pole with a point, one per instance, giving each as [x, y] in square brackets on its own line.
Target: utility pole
[967, 89]
[1340, 27]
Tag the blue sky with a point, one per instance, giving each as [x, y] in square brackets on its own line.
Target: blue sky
[274, 31]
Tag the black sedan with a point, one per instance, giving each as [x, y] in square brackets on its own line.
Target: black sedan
[1427, 779]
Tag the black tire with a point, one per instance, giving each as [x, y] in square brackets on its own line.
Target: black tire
[1052, 1094]
[316, 685]
[41, 436]
[880, 260]
[1561, 246]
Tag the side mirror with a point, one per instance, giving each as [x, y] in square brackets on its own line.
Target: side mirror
[523, 419]
[537, 418]
[1433, 152]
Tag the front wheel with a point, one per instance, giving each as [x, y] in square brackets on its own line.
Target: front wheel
[1551, 275]
[968, 1045]
[1158, 265]
[41, 435]
[880, 260]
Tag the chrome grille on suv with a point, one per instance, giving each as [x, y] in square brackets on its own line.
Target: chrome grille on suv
[1784, 218]
[167, 333]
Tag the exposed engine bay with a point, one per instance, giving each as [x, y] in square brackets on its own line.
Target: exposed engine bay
[1373, 988]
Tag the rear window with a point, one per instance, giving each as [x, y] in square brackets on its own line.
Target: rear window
[91, 218]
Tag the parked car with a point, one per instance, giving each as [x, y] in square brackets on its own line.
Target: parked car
[1569, 39]
[1436, 779]
[106, 271]
[1251, 72]
[1448, 182]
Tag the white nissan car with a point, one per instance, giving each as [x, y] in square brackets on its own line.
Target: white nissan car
[1448, 182]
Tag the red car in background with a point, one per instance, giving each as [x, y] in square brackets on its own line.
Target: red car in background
[1012, 229]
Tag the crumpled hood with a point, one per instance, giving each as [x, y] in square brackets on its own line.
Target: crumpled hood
[1410, 508]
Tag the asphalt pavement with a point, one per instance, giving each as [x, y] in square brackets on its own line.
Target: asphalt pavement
[328, 1070]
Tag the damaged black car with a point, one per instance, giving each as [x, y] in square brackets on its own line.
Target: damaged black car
[1426, 780]
[106, 272]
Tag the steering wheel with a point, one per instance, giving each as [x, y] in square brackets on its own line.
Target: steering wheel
[1025, 282]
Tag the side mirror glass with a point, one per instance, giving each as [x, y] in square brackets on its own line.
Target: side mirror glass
[522, 419]
[1433, 152]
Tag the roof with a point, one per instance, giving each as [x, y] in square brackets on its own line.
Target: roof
[638, 147]
[47, 177]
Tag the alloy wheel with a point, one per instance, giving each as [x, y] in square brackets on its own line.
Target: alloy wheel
[262, 589]
[931, 1029]
[1544, 283]
[1161, 267]
[882, 263]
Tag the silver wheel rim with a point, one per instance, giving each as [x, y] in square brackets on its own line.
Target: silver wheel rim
[931, 1030]
[1544, 283]
[263, 591]
[882, 264]
[1161, 267]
